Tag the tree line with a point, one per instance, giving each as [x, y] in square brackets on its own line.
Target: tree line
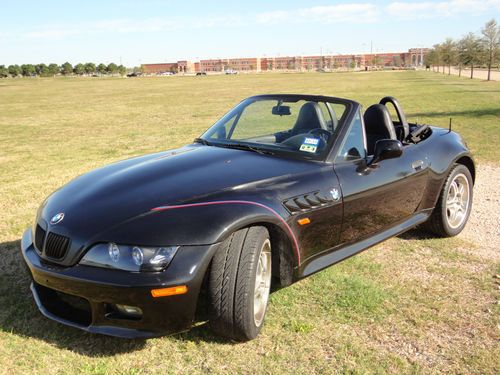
[66, 69]
[472, 50]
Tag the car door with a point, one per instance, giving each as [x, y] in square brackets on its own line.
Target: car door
[377, 197]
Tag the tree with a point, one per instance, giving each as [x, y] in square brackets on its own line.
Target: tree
[491, 43]
[4, 72]
[430, 59]
[102, 69]
[14, 70]
[122, 70]
[469, 52]
[112, 68]
[42, 70]
[28, 70]
[67, 69]
[89, 68]
[449, 53]
[376, 60]
[53, 69]
[79, 69]
[438, 55]
[397, 61]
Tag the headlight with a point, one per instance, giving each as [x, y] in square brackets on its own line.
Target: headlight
[129, 258]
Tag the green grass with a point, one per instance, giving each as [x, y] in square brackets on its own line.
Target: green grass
[410, 305]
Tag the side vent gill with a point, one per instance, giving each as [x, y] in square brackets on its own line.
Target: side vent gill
[307, 202]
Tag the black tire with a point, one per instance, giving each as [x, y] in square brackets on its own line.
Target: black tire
[439, 223]
[232, 283]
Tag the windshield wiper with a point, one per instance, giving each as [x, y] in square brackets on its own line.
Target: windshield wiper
[243, 146]
[239, 146]
[202, 141]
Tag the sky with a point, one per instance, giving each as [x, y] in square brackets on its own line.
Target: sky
[132, 32]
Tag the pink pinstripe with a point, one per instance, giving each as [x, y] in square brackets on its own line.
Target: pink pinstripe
[296, 244]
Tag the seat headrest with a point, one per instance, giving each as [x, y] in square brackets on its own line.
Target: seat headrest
[378, 121]
[310, 117]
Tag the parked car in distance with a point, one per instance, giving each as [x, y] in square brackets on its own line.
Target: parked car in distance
[231, 71]
[281, 187]
[134, 74]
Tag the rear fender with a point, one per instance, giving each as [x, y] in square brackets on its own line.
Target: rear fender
[444, 149]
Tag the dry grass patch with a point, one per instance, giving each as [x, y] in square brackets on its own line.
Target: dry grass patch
[410, 305]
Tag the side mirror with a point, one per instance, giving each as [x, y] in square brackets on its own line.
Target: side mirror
[386, 149]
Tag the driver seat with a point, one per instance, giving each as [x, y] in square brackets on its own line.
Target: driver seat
[378, 125]
[310, 117]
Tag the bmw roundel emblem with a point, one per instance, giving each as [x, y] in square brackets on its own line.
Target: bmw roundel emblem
[57, 218]
[335, 194]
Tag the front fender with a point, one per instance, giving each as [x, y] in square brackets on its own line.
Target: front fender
[201, 223]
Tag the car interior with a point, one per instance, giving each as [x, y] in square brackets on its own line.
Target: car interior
[310, 121]
[378, 125]
[377, 120]
[317, 121]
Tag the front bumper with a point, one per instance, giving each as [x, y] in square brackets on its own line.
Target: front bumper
[83, 297]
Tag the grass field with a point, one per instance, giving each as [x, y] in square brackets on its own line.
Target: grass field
[410, 305]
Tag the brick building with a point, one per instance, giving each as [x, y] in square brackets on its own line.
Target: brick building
[244, 64]
[159, 68]
[185, 67]
[414, 57]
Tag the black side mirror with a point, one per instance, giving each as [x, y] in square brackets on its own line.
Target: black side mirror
[386, 149]
[281, 110]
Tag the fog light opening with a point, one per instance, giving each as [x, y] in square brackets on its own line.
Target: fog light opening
[123, 312]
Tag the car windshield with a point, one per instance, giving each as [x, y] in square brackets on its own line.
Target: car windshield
[294, 125]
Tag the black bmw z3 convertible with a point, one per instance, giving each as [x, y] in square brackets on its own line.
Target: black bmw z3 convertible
[279, 188]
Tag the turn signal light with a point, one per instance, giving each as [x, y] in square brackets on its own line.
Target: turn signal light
[172, 291]
[304, 221]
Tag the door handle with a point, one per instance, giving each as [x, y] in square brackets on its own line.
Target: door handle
[417, 165]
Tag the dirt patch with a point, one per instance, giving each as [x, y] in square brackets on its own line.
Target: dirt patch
[483, 227]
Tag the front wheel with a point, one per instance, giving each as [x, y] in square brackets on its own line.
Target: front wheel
[239, 284]
[454, 205]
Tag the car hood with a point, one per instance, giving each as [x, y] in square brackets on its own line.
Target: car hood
[108, 196]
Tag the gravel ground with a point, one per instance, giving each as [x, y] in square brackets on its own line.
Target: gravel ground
[478, 73]
[483, 227]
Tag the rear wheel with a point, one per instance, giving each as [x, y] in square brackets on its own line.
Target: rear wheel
[239, 284]
[454, 205]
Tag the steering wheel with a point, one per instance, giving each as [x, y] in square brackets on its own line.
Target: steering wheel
[322, 133]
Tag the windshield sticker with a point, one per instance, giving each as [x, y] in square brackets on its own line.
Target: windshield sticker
[310, 145]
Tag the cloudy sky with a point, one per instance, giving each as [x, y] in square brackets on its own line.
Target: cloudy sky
[135, 32]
